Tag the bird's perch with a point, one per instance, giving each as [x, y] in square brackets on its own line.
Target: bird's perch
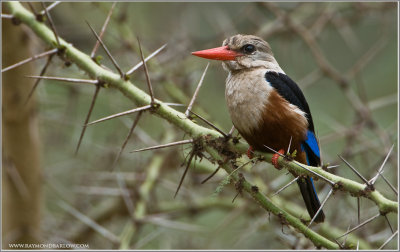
[84, 62]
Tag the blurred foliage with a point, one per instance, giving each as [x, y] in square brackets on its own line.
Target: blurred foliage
[196, 218]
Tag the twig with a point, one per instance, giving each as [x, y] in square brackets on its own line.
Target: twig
[135, 122]
[382, 102]
[286, 186]
[53, 28]
[388, 222]
[120, 114]
[338, 243]
[367, 57]
[146, 73]
[35, 57]
[196, 91]
[96, 92]
[7, 16]
[231, 131]
[345, 238]
[72, 80]
[42, 72]
[209, 123]
[276, 152]
[133, 69]
[310, 79]
[344, 29]
[360, 225]
[15, 176]
[211, 175]
[316, 174]
[32, 8]
[165, 145]
[355, 171]
[174, 104]
[192, 154]
[50, 7]
[390, 185]
[320, 208]
[127, 199]
[148, 238]
[241, 166]
[103, 29]
[88, 221]
[332, 166]
[388, 240]
[321, 21]
[290, 143]
[373, 180]
[107, 51]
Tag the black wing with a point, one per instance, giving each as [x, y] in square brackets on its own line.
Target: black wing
[289, 90]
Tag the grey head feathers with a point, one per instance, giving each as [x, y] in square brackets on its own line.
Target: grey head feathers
[254, 53]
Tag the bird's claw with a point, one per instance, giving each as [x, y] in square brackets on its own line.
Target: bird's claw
[274, 159]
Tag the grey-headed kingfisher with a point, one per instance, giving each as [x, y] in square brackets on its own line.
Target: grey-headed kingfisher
[267, 107]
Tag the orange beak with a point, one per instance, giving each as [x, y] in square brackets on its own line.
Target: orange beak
[219, 53]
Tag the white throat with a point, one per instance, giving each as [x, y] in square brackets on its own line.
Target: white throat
[246, 94]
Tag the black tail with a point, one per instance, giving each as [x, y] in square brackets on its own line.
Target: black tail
[310, 198]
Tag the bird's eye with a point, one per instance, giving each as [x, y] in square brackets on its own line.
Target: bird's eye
[248, 48]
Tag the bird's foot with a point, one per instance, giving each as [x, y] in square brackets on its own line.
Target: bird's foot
[274, 159]
[250, 152]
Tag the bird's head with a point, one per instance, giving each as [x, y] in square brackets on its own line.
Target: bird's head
[242, 52]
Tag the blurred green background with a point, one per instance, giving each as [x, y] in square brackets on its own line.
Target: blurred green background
[350, 35]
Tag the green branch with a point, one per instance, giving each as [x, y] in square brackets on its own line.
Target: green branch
[354, 188]
[267, 204]
[205, 135]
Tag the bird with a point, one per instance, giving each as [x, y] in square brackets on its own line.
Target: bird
[268, 108]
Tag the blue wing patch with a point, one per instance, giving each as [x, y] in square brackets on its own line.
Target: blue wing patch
[315, 191]
[311, 141]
